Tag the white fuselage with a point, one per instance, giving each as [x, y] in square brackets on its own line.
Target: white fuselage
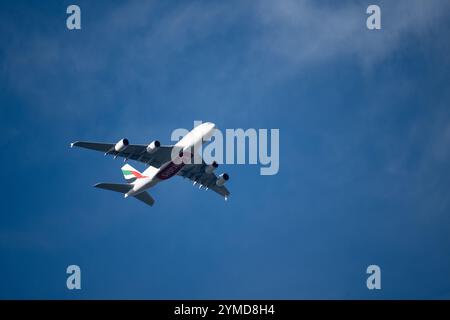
[190, 141]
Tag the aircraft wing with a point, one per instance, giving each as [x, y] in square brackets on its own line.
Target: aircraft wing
[196, 172]
[136, 152]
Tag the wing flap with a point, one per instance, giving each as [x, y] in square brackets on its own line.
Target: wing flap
[136, 152]
[222, 190]
[196, 172]
[104, 147]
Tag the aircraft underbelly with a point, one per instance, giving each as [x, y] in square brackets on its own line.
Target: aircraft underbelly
[169, 171]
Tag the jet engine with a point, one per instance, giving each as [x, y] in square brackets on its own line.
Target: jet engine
[152, 147]
[222, 179]
[121, 145]
[213, 166]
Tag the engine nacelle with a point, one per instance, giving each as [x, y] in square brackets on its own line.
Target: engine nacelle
[213, 166]
[222, 179]
[121, 145]
[153, 146]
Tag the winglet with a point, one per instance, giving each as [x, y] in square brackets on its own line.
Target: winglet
[74, 144]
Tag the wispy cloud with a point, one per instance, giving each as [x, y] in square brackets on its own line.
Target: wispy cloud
[55, 70]
[304, 32]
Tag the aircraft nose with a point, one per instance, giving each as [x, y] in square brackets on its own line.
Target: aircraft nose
[211, 126]
[208, 129]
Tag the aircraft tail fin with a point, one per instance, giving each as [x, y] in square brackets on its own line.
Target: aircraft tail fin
[150, 171]
[130, 174]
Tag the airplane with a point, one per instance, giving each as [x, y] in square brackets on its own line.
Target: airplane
[164, 161]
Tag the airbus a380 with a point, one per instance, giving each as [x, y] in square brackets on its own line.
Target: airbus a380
[164, 162]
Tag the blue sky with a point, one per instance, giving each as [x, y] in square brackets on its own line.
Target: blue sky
[364, 149]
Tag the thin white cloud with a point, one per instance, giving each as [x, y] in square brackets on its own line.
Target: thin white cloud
[133, 45]
[304, 32]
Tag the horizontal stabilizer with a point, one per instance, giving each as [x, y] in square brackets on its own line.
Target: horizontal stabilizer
[117, 187]
[146, 198]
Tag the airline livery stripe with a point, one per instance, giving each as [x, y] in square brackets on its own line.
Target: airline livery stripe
[133, 173]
